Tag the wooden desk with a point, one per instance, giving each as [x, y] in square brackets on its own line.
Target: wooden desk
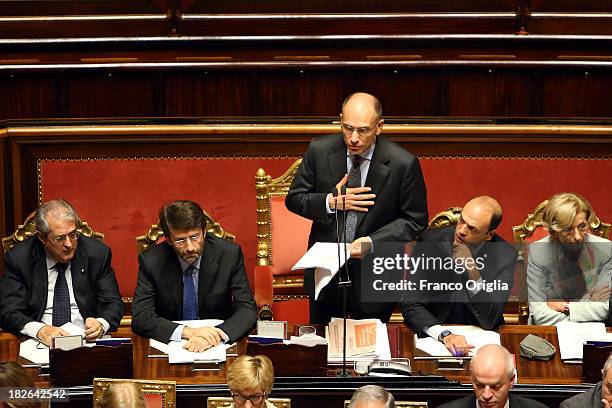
[194, 386]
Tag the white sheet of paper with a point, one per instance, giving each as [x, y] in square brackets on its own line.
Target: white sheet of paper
[28, 349]
[176, 352]
[73, 329]
[323, 256]
[474, 335]
[572, 335]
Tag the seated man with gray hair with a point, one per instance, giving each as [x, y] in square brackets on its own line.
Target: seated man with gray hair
[598, 396]
[372, 396]
[59, 276]
[492, 371]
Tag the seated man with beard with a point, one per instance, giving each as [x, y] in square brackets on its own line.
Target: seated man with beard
[568, 272]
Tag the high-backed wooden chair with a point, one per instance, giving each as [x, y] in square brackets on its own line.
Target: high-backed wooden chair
[28, 228]
[155, 234]
[224, 402]
[158, 394]
[282, 239]
[531, 230]
[398, 404]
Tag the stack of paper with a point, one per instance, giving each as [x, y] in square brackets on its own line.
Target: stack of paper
[573, 335]
[474, 335]
[177, 354]
[366, 340]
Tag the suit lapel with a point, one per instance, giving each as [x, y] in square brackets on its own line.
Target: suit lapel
[173, 277]
[78, 272]
[40, 278]
[378, 173]
[208, 270]
[337, 161]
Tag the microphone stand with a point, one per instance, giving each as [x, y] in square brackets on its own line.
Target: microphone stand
[344, 284]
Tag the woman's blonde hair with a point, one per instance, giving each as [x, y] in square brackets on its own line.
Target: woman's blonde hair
[562, 209]
[251, 373]
[122, 395]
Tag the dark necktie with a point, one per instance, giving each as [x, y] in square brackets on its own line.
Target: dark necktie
[61, 297]
[190, 299]
[354, 180]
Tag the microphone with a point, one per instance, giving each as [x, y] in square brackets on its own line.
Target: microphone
[335, 195]
[346, 254]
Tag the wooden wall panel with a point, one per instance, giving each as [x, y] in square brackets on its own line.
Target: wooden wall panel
[28, 95]
[299, 93]
[114, 94]
[403, 92]
[577, 94]
[210, 93]
[347, 6]
[489, 92]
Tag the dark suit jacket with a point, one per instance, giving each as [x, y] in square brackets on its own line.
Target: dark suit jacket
[23, 289]
[588, 399]
[223, 290]
[400, 210]
[486, 307]
[515, 402]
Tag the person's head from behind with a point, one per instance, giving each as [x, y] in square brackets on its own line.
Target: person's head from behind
[606, 386]
[361, 121]
[492, 371]
[184, 227]
[13, 375]
[479, 219]
[567, 217]
[56, 227]
[250, 380]
[122, 395]
[372, 396]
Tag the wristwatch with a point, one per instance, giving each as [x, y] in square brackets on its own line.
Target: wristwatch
[443, 335]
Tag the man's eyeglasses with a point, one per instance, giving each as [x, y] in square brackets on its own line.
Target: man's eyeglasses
[348, 129]
[582, 228]
[255, 399]
[72, 236]
[194, 239]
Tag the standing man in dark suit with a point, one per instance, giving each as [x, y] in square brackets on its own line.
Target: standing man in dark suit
[386, 199]
[57, 277]
[480, 256]
[190, 276]
[492, 371]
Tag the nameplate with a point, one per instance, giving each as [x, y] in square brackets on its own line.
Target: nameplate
[272, 328]
[67, 343]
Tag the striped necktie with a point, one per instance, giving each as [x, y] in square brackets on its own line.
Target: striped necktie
[354, 180]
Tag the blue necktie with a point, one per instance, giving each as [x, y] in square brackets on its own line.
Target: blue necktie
[61, 297]
[190, 299]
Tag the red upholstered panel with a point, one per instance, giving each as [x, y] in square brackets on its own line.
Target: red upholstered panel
[121, 197]
[295, 311]
[154, 400]
[538, 234]
[520, 184]
[289, 236]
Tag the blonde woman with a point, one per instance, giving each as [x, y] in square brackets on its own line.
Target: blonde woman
[569, 271]
[250, 380]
